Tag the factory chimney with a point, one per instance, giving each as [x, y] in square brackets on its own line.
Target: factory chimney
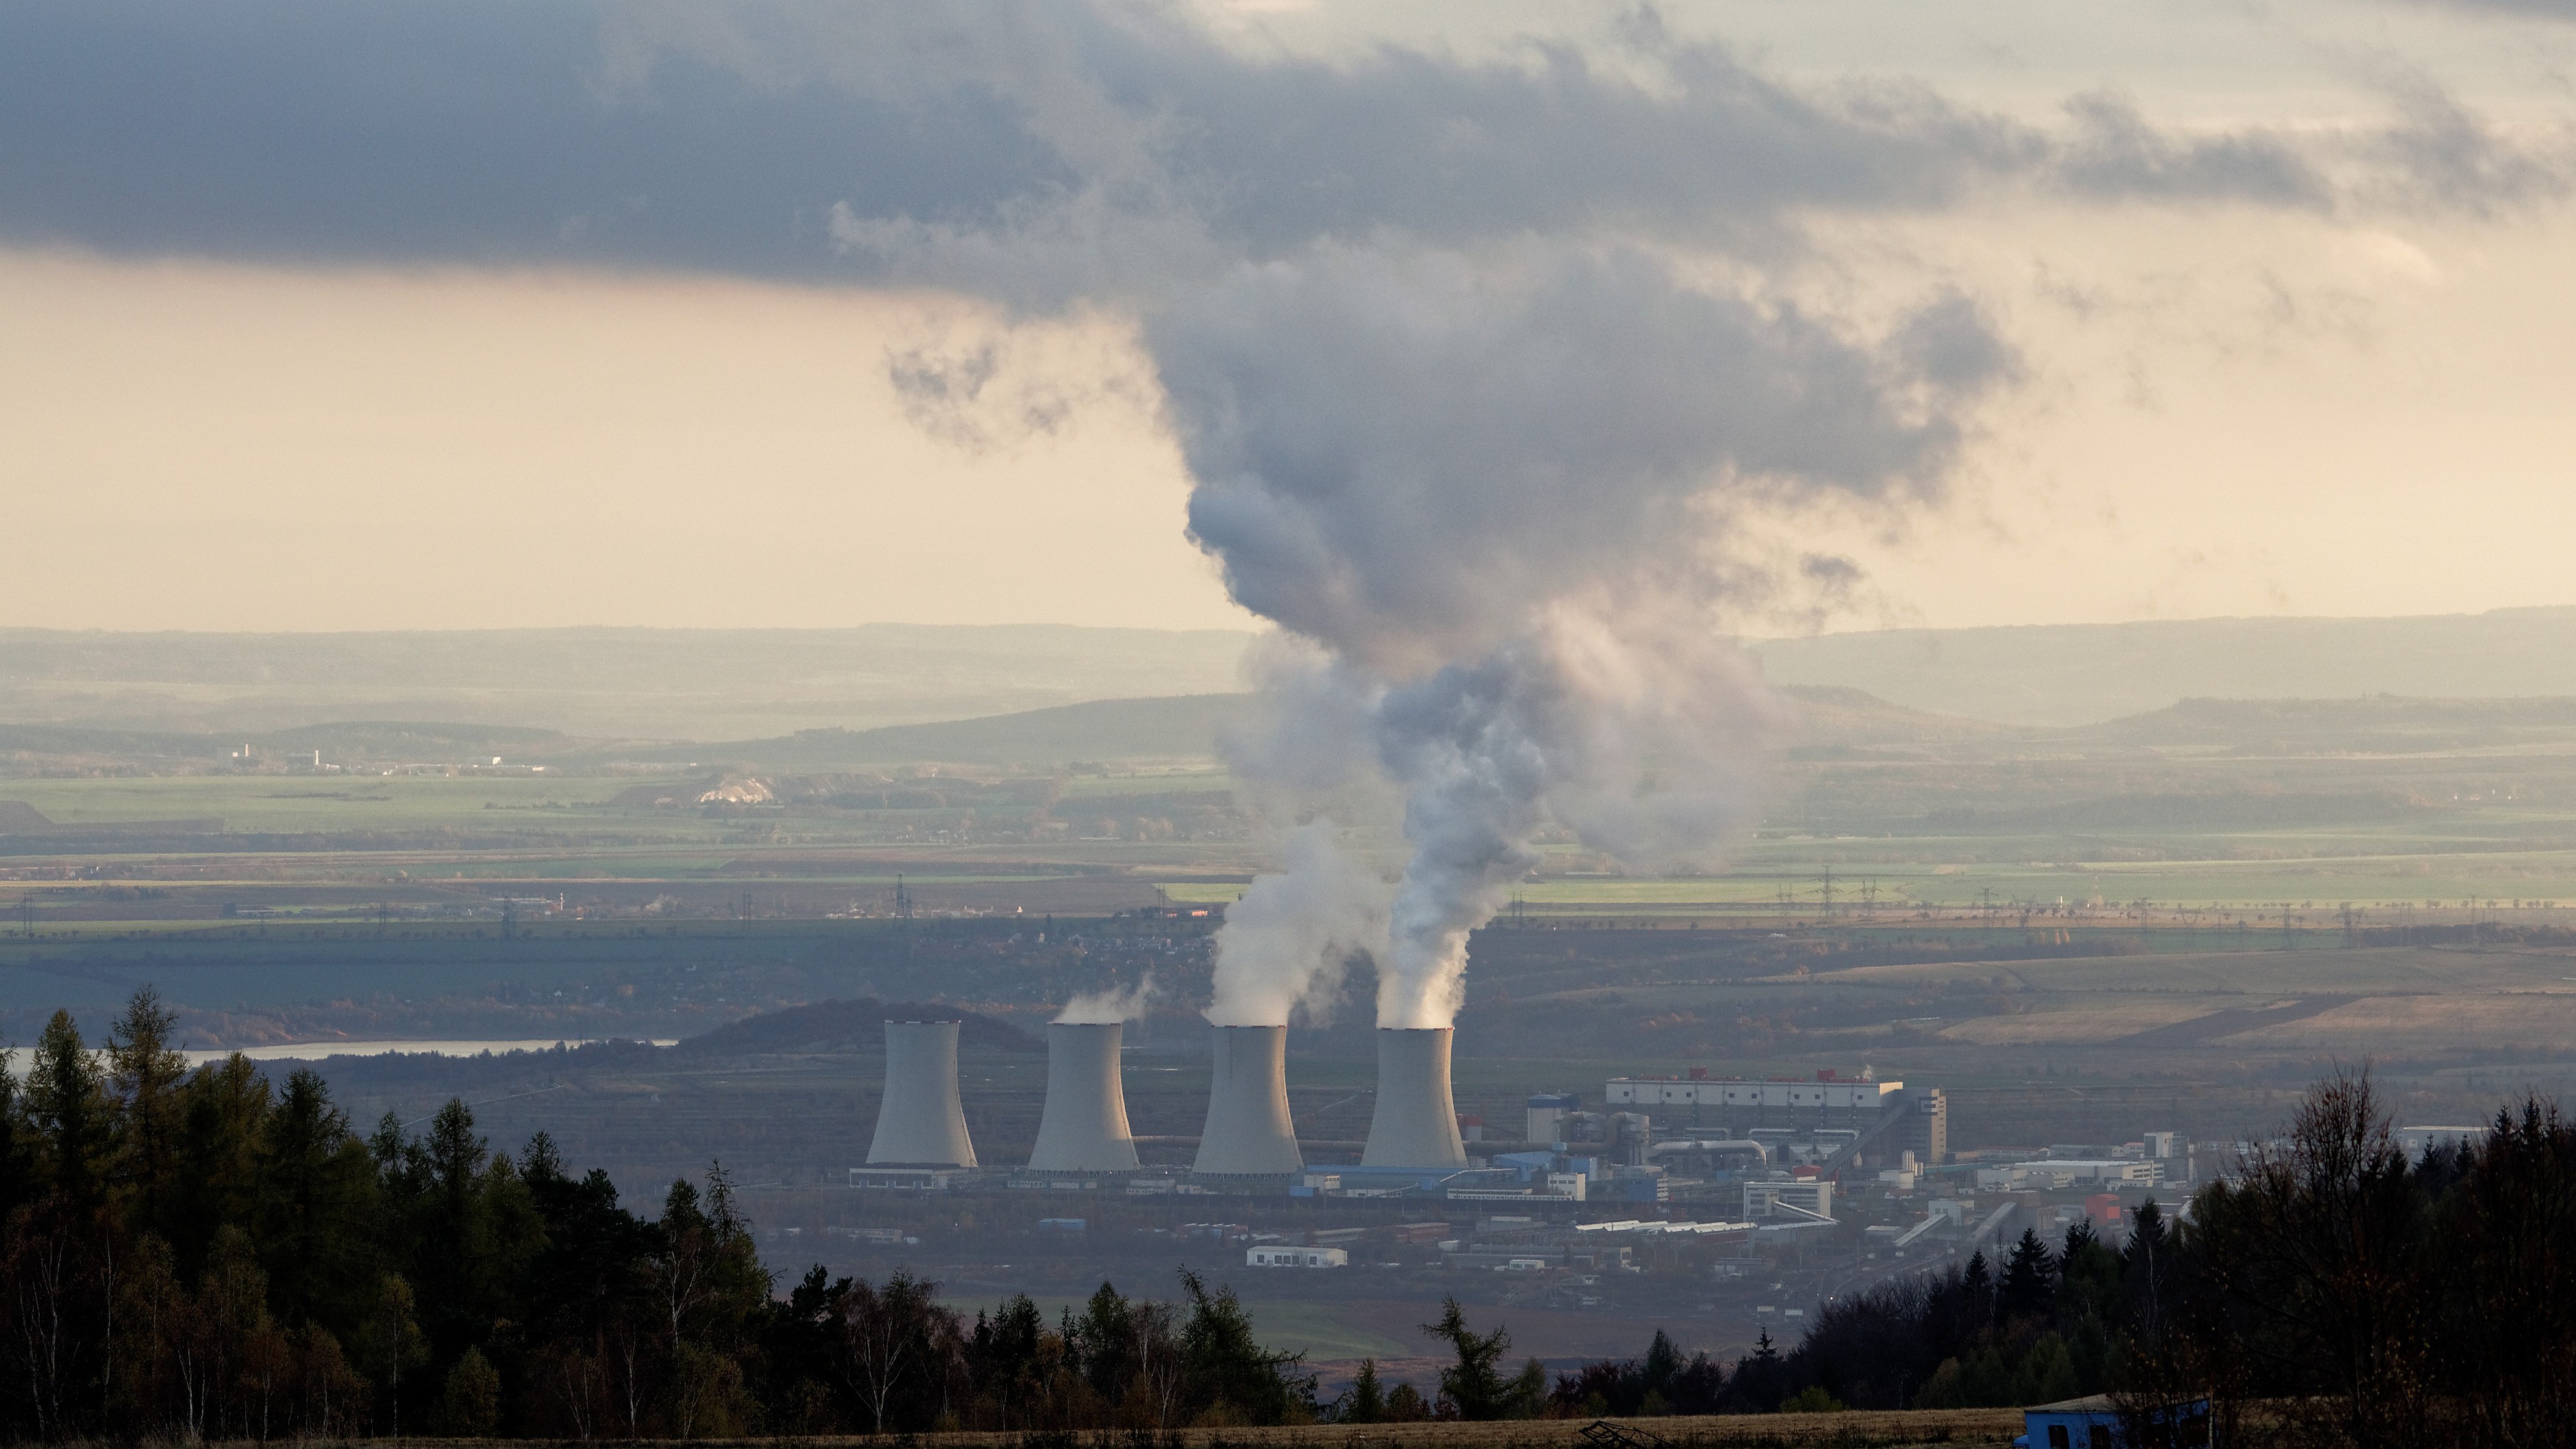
[1084, 1126]
[920, 1124]
[1416, 1123]
[1248, 1132]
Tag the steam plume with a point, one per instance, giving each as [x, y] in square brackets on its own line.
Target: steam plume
[1285, 943]
[1102, 1008]
[1496, 491]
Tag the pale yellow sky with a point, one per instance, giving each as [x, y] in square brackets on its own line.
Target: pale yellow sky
[2226, 413]
[2230, 413]
[197, 446]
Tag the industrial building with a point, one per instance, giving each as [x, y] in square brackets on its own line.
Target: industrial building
[1830, 1120]
[1277, 1256]
[1547, 1113]
[1805, 1199]
[2054, 1174]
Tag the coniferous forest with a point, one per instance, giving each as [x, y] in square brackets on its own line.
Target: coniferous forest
[204, 1254]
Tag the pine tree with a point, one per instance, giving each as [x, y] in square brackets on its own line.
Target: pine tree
[67, 1105]
[1472, 1384]
[1663, 1361]
[2029, 1287]
[317, 1191]
[1366, 1402]
[147, 1075]
[1227, 1365]
[2088, 1275]
[1976, 1296]
[1760, 1379]
[17, 1158]
[2079, 1236]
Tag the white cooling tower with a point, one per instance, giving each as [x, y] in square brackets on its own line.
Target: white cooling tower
[1416, 1123]
[1248, 1132]
[920, 1124]
[1084, 1126]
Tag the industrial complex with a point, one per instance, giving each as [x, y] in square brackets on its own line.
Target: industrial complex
[1727, 1163]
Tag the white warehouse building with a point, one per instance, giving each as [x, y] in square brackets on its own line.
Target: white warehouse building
[1832, 1112]
[1276, 1256]
[1810, 1198]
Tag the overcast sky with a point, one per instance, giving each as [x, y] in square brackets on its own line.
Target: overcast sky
[526, 312]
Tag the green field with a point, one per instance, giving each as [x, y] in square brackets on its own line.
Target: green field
[2186, 819]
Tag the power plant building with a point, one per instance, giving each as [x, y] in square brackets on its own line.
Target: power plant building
[1084, 1125]
[920, 1122]
[1842, 1118]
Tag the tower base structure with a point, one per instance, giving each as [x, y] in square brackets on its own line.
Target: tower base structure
[1248, 1131]
[920, 1122]
[1084, 1125]
[1416, 1122]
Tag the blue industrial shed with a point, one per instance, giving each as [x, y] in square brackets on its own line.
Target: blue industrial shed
[2094, 1423]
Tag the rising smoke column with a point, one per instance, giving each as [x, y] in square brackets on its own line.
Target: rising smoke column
[1286, 941]
[1108, 1006]
[1497, 490]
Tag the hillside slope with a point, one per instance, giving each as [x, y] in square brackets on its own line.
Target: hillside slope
[2072, 674]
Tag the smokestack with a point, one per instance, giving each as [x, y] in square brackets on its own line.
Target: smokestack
[920, 1123]
[1084, 1126]
[1416, 1123]
[1248, 1132]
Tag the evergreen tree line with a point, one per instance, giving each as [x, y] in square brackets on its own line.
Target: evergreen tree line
[2391, 1302]
[202, 1254]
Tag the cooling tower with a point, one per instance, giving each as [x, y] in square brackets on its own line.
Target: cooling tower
[1084, 1126]
[920, 1124]
[1248, 1132]
[1416, 1124]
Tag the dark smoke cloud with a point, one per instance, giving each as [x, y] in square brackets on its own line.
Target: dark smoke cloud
[2116, 153]
[763, 136]
[2442, 156]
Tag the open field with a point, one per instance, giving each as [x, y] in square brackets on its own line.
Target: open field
[2200, 818]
